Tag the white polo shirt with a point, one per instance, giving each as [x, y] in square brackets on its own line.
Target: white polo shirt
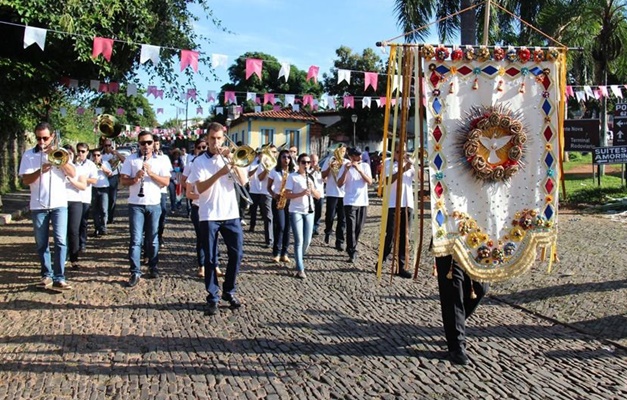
[277, 180]
[92, 172]
[407, 193]
[48, 191]
[296, 183]
[152, 192]
[355, 187]
[220, 201]
[332, 189]
[102, 178]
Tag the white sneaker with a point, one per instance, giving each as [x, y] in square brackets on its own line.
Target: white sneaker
[300, 275]
[244, 223]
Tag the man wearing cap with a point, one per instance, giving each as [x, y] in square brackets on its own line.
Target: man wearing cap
[355, 177]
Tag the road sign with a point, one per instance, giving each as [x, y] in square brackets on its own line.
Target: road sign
[610, 155]
[620, 125]
[581, 134]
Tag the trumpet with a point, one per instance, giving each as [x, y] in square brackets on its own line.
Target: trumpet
[108, 126]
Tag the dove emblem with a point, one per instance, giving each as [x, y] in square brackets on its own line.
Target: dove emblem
[494, 144]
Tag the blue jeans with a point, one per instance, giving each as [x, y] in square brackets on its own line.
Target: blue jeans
[100, 207]
[302, 228]
[231, 231]
[138, 216]
[41, 224]
[281, 230]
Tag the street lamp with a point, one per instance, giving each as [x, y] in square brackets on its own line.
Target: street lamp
[354, 119]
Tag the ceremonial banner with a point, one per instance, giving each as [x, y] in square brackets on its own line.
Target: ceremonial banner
[493, 148]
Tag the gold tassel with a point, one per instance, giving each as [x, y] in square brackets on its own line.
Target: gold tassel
[522, 88]
[473, 295]
[475, 85]
[499, 87]
[449, 275]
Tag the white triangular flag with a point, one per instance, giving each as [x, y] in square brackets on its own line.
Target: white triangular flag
[289, 99]
[149, 52]
[284, 71]
[98, 110]
[397, 83]
[131, 89]
[296, 107]
[617, 92]
[251, 96]
[581, 96]
[344, 75]
[219, 60]
[140, 111]
[94, 84]
[378, 101]
[588, 91]
[63, 111]
[34, 35]
[219, 110]
[366, 101]
[257, 109]
[73, 83]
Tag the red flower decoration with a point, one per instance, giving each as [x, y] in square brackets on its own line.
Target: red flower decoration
[457, 55]
[524, 54]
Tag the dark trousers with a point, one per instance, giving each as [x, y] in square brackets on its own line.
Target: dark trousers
[281, 227]
[355, 220]
[318, 204]
[335, 205]
[172, 194]
[74, 217]
[100, 204]
[231, 231]
[256, 198]
[113, 197]
[83, 229]
[200, 250]
[164, 213]
[406, 214]
[457, 306]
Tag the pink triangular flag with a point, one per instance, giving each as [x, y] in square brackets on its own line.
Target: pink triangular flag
[382, 101]
[114, 87]
[120, 111]
[229, 96]
[211, 95]
[349, 102]
[189, 58]
[159, 94]
[569, 91]
[103, 88]
[313, 73]
[253, 66]
[102, 46]
[80, 111]
[371, 79]
[199, 110]
[268, 98]
[191, 94]
[151, 90]
[307, 99]
[597, 94]
[276, 108]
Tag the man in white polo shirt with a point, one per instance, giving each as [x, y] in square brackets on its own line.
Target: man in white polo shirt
[219, 212]
[48, 205]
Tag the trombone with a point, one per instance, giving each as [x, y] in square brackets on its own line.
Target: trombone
[243, 156]
[267, 160]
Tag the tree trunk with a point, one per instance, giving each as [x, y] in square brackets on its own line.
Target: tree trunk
[10, 147]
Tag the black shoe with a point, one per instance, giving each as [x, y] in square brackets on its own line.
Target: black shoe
[403, 273]
[339, 247]
[459, 357]
[315, 233]
[327, 237]
[97, 234]
[233, 301]
[76, 265]
[212, 308]
[351, 259]
[134, 280]
[154, 274]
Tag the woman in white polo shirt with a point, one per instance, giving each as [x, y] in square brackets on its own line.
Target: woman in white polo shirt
[300, 189]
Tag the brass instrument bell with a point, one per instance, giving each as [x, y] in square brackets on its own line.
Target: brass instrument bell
[108, 126]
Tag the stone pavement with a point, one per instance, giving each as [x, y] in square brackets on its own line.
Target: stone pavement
[337, 334]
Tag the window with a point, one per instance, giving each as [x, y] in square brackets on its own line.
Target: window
[267, 135]
[293, 137]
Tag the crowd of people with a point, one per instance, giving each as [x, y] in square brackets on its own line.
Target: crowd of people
[288, 190]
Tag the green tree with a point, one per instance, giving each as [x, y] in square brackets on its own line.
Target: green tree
[370, 120]
[29, 78]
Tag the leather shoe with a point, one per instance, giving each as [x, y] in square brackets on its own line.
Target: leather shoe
[133, 281]
[338, 247]
[212, 308]
[154, 274]
[351, 259]
[403, 273]
[327, 237]
[459, 357]
[233, 301]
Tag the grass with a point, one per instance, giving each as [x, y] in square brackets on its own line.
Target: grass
[582, 189]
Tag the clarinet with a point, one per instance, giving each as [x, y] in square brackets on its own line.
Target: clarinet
[309, 176]
[141, 184]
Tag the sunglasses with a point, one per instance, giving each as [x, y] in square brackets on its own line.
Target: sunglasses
[305, 162]
[83, 151]
[43, 138]
[201, 148]
[147, 142]
[107, 145]
[96, 155]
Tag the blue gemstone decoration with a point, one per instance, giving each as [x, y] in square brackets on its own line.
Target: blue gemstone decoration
[439, 218]
[524, 71]
[550, 172]
[490, 70]
[548, 212]
[536, 71]
[546, 107]
[476, 71]
[549, 160]
[437, 161]
[437, 106]
[439, 176]
[442, 69]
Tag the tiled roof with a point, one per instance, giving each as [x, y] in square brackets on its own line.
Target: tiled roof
[285, 113]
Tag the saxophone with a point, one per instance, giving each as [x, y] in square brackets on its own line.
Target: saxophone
[282, 201]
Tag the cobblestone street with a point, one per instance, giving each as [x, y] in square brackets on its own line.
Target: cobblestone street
[338, 334]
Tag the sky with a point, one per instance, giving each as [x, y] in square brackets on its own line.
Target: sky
[303, 33]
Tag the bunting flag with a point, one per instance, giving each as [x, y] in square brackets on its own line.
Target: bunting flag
[307, 99]
[189, 58]
[588, 91]
[73, 83]
[159, 110]
[253, 66]
[99, 110]
[211, 96]
[151, 90]
[257, 100]
[140, 111]
[102, 46]
[103, 88]
[268, 98]
[114, 87]
[349, 102]
[131, 89]
[381, 102]
[296, 107]
[35, 35]
[257, 109]
[371, 79]
[120, 111]
[313, 73]
[284, 71]
[63, 111]
[603, 90]
[569, 91]
[343, 75]
[616, 91]
[199, 111]
[191, 94]
[219, 110]
[289, 99]
[80, 111]
[331, 102]
[365, 102]
[159, 94]
[276, 108]
[218, 60]
[149, 52]
[581, 96]
[94, 84]
[229, 96]
[251, 96]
